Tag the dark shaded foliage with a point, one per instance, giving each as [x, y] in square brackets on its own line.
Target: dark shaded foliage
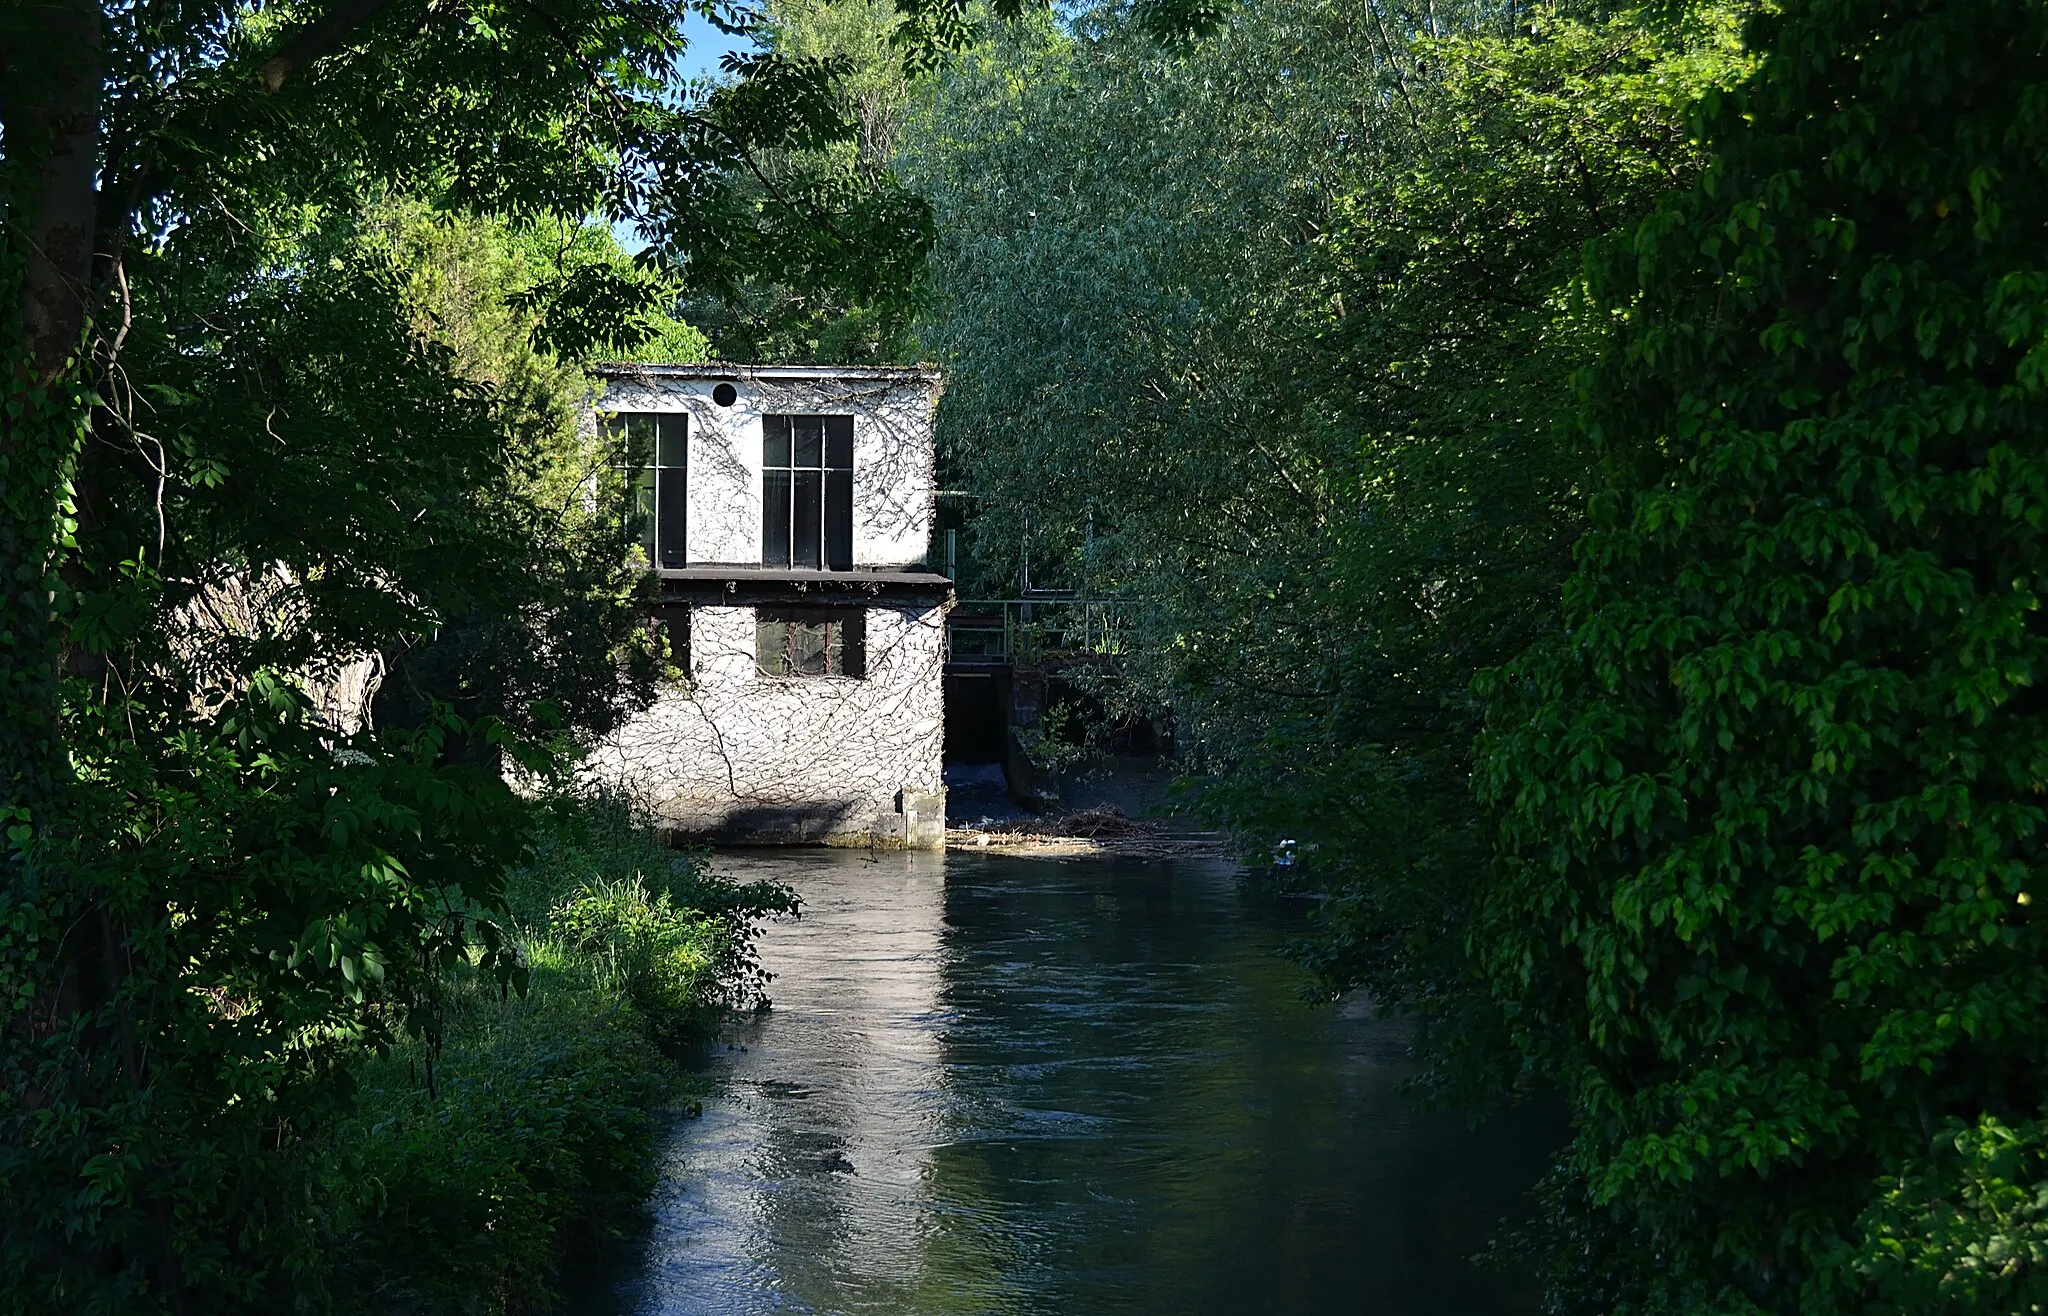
[473, 1174]
[1772, 798]
[238, 475]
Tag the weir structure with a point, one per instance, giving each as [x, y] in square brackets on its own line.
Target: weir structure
[1004, 661]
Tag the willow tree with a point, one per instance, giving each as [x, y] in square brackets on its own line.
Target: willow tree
[1274, 336]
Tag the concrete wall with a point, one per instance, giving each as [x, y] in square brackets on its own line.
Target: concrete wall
[747, 757]
[894, 480]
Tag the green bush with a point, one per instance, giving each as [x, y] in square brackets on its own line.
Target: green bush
[533, 1139]
[520, 1127]
[662, 959]
[1966, 1228]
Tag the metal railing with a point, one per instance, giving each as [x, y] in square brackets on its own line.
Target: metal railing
[1001, 632]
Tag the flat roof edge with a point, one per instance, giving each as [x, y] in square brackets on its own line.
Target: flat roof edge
[735, 371]
[724, 571]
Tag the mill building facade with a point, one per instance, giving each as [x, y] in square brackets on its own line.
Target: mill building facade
[787, 515]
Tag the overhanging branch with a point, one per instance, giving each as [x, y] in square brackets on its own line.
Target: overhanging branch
[316, 39]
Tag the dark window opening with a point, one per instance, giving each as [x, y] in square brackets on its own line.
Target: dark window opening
[669, 624]
[807, 492]
[811, 641]
[655, 460]
[725, 395]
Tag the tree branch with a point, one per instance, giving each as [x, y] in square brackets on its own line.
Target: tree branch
[316, 39]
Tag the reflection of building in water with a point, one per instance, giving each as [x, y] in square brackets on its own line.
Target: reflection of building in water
[787, 511]
[860, 1050]
[811, 1170]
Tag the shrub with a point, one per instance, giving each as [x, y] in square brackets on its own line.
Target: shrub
[1966, 1228]
[662, 959]
[519, 1128]
[532, 1141]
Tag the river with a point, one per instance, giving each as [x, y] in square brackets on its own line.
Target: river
[998, 1084]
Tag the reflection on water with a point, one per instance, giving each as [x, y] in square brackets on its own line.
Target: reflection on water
[1007, 1085]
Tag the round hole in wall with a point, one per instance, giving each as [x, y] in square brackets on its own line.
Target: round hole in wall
[725, 395]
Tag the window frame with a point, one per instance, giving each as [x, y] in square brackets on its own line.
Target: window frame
[807, 491]
[654, 460]
[844, 639]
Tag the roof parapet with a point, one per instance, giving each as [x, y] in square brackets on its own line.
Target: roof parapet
[736, 372]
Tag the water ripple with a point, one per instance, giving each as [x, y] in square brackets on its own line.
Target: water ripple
[1002, 1085]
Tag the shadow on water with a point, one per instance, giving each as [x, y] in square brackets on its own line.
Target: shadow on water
[1010, 1085]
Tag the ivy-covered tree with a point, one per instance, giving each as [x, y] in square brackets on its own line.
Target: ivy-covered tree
[1773, 802]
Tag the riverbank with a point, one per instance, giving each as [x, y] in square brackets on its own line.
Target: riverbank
[1122, 808]
[514, 1128]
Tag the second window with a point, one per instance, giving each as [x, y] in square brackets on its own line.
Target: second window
[807, 492]
[811, 641]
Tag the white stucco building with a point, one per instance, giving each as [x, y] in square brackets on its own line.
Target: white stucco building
[788, 512]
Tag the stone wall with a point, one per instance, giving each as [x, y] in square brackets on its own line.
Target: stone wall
[744, 757]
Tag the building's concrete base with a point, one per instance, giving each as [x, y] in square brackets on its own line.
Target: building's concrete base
[915, 820]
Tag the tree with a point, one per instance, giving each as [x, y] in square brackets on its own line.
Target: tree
[1772, 823]
[1455, 321]
[1124, 227]
[238, 470]
[242, 463]
[1273, 337]
[779, 315]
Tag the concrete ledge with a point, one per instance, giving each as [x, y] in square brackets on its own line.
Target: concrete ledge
[924, 818]
[741, 586]
[918, 822]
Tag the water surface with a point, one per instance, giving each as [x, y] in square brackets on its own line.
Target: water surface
[1006, 1085]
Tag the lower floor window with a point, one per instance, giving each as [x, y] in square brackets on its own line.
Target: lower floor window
[811, 641]
[669, 627]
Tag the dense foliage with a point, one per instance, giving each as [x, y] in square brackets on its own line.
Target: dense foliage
[471, 1174]
[276, 869]
[1665, 403]
[1772, 801]
[1635, 418]
[1274, 339]
[300, 550]
[1454, 486]
[773, 314]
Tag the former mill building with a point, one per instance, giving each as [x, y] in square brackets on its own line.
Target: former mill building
[788, 513]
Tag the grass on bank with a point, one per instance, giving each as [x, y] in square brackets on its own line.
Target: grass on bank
[471, 1170]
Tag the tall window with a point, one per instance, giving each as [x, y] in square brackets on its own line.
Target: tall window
[656, 462]
[807, 492]
[811, 641]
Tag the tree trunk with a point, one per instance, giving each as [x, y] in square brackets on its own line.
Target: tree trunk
[52, 111]
[50, 103]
